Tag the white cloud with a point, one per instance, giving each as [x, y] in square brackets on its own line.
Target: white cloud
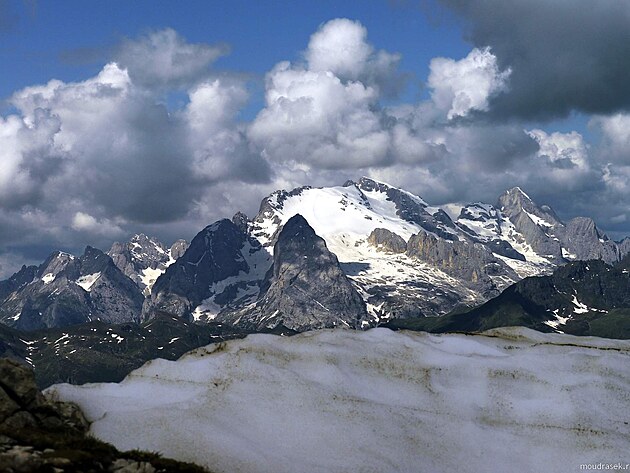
[217, 143]
[461, 86]
[84, 161]
[315, 118]
[565, 150]
[326, 115]
[84, 222]
[340, 46]
[165, 59]
[615, 131]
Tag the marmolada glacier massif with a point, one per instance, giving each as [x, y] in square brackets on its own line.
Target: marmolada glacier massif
[300, 339]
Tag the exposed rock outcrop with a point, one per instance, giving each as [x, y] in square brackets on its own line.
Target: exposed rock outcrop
[471, 262]
[535, 224]
[213, 255]
[384, 240]
[143, 259]
[585, 241]
[305, 288]
[66, 290]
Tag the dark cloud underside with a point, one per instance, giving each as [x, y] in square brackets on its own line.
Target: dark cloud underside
[564, 54]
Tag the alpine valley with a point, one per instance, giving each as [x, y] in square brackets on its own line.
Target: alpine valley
[356, 256]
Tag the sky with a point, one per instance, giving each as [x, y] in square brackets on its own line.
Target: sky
[161, 117]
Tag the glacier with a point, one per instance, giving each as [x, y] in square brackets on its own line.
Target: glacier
[509, 399]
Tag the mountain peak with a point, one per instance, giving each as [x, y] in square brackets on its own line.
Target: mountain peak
[515, 195]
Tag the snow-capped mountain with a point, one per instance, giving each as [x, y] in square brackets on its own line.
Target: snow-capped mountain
[404, 257]
[579, 298]
[144, 259]
[537, 233]
[67, 290]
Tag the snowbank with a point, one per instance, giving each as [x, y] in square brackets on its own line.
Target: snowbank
[376, 401]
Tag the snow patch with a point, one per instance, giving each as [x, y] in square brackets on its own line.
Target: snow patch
[48, 278]
[87, 281]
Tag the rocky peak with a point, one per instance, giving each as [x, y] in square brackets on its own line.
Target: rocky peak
[241, 221]
[143, 259]
[413, 209]
[178, 248]
[213, 255]
[68, 290]
[515, 201]
[306, 287]
[20, 279]
[385, 240]
[54, 264]
[583, 240]
[275, 202]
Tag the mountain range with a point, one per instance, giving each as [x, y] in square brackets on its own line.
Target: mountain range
[358, 255]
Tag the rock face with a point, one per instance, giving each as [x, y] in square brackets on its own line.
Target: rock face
[143, 259]
[547, 235]
[306, 287]
[580, 298]
[472, 262]
[214, 255]
[534, 223]
[384, 240]
[38, 434]
[66, 290]
[17, 281]
[582, 238]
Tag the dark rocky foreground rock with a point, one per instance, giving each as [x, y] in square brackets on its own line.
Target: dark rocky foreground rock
[38, 434]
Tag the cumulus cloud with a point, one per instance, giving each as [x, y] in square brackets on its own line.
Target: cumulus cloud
[562, 150]
[340, 46]
[316, 118]
[85, 222]
[164, 59]
[218, 145]
[461, 86]
[564, 55]
[616, 135]
[97, 157]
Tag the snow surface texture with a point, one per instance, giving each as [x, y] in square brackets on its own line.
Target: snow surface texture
[377, 401]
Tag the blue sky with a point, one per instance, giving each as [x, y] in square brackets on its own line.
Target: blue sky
[159, 116]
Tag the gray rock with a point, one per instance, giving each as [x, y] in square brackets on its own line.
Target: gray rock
[213, 255]
[241, 221]
[178, 248]
[582, 238]
[68, 290]
[306, 287]
[471, 262]
[384, 240]
[519, 208]
[143, 257]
